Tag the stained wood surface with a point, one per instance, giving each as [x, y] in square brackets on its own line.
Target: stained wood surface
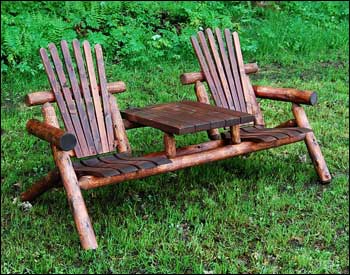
[194, 155]
[257, 134]
[186, 117]
[83, 98]
[117, 164]
[222, 66]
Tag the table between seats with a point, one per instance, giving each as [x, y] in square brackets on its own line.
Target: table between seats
[184, 117]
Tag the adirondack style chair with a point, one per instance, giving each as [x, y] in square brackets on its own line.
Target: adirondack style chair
[92, 149]
[227, 77]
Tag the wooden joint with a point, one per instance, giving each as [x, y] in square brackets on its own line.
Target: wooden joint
[286, 94]
[56, 136]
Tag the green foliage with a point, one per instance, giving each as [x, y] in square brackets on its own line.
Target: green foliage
[134, 32]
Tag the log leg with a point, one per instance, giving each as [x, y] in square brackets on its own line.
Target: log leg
[202, 97]
[312, 145]
[71, 185]
[170, 146]
[76, 201]
[235, 135]
[51, 180]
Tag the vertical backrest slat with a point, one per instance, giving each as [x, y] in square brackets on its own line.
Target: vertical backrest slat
[228, 71]
[69, 100]
[60, 101]
[220, 69]
[95, 96]
[206, 71]
[235, 69]
[87, 96]
[212, 69]
[240, 62]
[77, 96]
[105, 96]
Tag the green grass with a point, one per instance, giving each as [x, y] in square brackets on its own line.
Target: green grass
[264, 213]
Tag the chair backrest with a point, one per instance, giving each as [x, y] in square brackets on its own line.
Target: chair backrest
[221, 62]
[84, 102]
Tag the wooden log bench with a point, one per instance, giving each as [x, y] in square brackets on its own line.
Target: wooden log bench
[92, 150]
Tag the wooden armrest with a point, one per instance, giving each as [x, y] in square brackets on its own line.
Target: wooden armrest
[190, 78]
[42, 97]
[56, 136]
[286, 94]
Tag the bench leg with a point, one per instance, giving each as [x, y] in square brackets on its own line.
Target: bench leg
[76, 201]
[235, 134]
[169, 144]
[52, 179]
[312, 145]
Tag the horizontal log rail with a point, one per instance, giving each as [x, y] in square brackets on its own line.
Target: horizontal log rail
[191, 78]
[286, 94]
[56, 136]
[41, 97]
[183, 160]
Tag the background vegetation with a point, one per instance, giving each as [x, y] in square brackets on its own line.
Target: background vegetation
[258, 214]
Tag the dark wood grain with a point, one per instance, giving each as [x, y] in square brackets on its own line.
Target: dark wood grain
[89, 105]
[78, 98]
[186, 117]
[105, 96]
[205, 69]
[235, 70]
[96, 97]
[68, 119]
[212, 69]
[228, 70]
[222, 76]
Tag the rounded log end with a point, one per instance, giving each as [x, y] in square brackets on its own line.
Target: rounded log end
[27, 100]
[313, 98]
[67, 142]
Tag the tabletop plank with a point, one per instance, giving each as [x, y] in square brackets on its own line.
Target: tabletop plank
[185, 117]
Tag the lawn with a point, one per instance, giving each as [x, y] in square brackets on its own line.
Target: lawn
[261, 213]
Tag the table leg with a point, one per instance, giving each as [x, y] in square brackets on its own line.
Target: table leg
[169, 143]
[235, 135]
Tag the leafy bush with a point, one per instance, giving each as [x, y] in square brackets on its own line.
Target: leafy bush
[136, 32]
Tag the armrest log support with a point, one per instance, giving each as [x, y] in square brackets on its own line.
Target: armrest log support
[286, 94]
[56, 136]
[42, 97]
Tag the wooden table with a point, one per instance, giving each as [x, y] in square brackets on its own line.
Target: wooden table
[187, 117]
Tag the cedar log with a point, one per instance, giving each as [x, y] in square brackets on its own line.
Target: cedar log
[191, 159]
[169, 144]
[312, 145]
[71, 185]
[286, 94]
[50, 180]
[235, 134]
[56, 136]
[191, 78]
[42, 97]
